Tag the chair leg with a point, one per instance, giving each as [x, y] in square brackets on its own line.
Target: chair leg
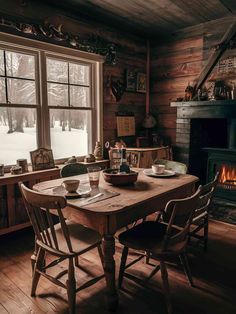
[122, 265]
[205, 233]
[101, 255]
[71, 287]
[184, 261]
[147, 258]
[166, 288]
[38, 266]
[77, 261]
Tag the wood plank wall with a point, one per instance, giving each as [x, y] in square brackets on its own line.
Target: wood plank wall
[175, 64]
[131, 54]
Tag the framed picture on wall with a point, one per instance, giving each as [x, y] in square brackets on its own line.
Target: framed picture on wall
[130, 80]
[141, 83]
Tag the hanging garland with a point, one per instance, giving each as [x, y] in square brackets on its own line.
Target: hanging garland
[93, 44]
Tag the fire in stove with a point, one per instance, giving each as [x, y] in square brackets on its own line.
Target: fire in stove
[227, 179]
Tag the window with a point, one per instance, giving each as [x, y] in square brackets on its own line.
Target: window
[18, 111]
[69, 88]
[49, 97]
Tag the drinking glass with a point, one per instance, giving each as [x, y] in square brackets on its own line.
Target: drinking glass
[94, 174]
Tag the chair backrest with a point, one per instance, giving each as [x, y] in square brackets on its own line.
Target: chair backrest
[39, 208]
[176, 166]
[205, 198]
[180, 212]
[73, 170]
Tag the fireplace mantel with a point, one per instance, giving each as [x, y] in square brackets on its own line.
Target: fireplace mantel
[205, 109]
[203, 103]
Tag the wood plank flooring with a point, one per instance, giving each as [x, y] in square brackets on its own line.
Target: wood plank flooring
[214, 274]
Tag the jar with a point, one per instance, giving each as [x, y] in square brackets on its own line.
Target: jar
[16, 170]
[23, 164]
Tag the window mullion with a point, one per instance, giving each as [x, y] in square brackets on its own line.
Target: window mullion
[44, 112]
[68, 74]
[5, 72]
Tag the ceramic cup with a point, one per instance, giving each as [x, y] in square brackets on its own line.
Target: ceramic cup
[158, 169]
[71, 185]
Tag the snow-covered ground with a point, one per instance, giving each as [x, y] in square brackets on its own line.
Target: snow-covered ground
[18, 145]
[67, 144]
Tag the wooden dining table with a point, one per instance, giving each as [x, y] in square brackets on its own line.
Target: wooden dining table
[146, 196]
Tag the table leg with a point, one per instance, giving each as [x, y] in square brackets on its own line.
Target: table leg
[108, 244]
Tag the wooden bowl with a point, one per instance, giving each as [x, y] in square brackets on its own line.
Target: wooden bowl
[114, 177]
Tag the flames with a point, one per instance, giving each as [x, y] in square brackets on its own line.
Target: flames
[228, 175]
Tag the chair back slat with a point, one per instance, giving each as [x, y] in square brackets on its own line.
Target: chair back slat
[52, 228]
[43, 227]
[205, 197]
[180, 220]
[65, 230]
[39, 207]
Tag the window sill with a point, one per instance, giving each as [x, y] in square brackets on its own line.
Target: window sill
[9, 178]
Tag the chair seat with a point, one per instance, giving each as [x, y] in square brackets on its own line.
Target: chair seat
[82, 238]
[148, 236]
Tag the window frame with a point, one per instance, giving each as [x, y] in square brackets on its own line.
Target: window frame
[41, 51]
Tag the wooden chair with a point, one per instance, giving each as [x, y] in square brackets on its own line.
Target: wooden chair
[176, 166]
[65, 240]
[73, 170]
[201, 216]
[162, 241]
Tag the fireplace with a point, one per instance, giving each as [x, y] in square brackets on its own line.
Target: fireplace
[206, 141]
[227, 179]
[224, 161]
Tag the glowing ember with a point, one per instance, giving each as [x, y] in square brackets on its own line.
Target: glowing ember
[228, 175]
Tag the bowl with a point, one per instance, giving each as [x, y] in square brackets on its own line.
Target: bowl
[116, 178]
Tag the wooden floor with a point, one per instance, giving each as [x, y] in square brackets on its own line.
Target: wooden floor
[214, 274]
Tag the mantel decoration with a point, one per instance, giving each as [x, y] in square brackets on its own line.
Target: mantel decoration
[94, 44]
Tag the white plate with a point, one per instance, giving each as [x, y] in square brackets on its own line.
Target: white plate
[167, 173]
[82, 191]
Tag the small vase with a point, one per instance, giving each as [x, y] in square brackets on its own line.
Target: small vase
[98, 151]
